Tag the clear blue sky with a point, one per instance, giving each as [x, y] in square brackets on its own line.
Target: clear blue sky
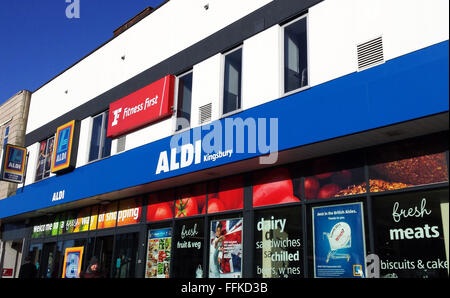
[38, 41]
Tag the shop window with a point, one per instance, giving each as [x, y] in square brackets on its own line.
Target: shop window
[159, 247]
[334, 176]
[232, 81]
[295, 55]
[411, 234]
[184, 101]
[225, 252]
[100, 146]
[273, 186]
[45, 159]
[126, 250]
[407, 164]
[188, 248]
[190, 200]
[160, 205]
[226, 194]
[279, 243]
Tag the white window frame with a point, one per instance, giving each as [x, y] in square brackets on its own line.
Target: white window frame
[222, 81]
[282, 57]
[175, 110]
[37, 160]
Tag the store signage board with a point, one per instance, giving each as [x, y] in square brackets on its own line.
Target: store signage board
[13, 168]
[66, 145]
[142, 107]
[339, 241]
[73, 258]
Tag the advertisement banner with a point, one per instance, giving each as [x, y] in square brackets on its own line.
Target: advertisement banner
[66, 145]
[13, 168]
[73, 257]
[129, 212]
[188, 249]
[338, 241]
[142, 107]
[411, 234]
[158, 253]
[225, 255]
[278, 243]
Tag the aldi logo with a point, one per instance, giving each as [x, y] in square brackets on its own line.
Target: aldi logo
[13, 167]
[66, 145]
[142, 107]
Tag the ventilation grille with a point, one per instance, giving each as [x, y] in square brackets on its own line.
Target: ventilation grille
[121, 144]
[205, 113]
[370, 53]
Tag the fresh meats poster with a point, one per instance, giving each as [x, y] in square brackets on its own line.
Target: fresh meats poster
[225, 256]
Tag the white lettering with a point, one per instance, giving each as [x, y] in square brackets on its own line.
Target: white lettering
[116, 116]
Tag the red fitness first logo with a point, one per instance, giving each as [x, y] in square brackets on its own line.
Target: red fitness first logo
[142, 107]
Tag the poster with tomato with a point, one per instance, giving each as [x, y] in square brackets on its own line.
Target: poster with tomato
[190, 200]
[226, 194]
[225, 255]
[160, 205]
[158, 253]
[273, 186]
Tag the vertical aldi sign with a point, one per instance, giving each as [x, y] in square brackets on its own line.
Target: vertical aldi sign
[142, 107]
[13, 168]
[66, 145]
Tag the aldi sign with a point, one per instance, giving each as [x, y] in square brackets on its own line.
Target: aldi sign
[13, 168]
[66, 145]
[142, 107]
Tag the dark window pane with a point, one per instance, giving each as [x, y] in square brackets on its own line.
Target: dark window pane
[184, 101]
[232, 82]
[106, 150]
[295, 56]
[95, 138]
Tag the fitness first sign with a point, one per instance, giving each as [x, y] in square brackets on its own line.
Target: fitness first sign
[142, 107]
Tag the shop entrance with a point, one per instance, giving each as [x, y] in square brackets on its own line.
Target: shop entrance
[49, 259]
[126, 250]
[104, 251]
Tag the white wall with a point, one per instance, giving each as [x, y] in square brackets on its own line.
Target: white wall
[405, 25]
[335, 27]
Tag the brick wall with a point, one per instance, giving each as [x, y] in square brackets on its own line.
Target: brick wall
[13, 113]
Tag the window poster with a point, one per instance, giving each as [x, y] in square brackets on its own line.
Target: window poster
[225, 255]
[158, 253]
[73, 257]
[278, 243]
[188, 245]
[339, 241]
[411, 234]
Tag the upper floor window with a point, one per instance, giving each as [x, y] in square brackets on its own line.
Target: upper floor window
[232, 81]
[45, 159]
[295, 55]
[184, 101]
[100, 146]
[5, 137]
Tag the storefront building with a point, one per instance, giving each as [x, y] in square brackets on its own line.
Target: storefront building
[246, 139]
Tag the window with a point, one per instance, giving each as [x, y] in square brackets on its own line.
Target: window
[184, 101]
[100, 144]
[232, 81]
[45, 159]
[5, 138]
[295, 55]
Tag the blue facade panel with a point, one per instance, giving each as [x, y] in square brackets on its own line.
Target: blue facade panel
[406, 88]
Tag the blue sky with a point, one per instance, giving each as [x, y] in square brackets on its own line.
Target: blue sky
[38, 40]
